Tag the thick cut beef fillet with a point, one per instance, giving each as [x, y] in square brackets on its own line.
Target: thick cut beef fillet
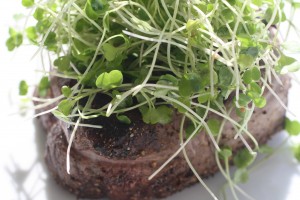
[116, 161]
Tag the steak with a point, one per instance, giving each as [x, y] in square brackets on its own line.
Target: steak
[116, 161]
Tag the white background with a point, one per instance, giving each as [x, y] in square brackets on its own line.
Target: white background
[23, 175]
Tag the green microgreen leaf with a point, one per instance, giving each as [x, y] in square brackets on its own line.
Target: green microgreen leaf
[257, 2]
[214, 126]
[292, 127]
[51, 42]
[19, 16]
[291, 46]
[243, 158]
[225, 77]
[23, 88]
[204, 97]
[168, 80]
[245, 61]
[43, 26]
[161, 114]
[59, 115]
[269, 13]
[225, 153]
[43, 86]
[189, 84]
[27, 3]
[66, 91]
[294, 67]
[247, 76]
[127, 102]
[109, 51]
[114, 53]
[166, 114]
[255, 88]
[284, 61]
[66, 106]
[295, 5]
[91, 76]
[244, 100]
[39, 14]
[124, 119]
[189, 130]
[109, 80]
[296, 151]
[256, 74]
[246, 42]
[185, 101]
[255, 93]
[252, 51]
[62, 63]
[15, 39]
[32, 34]
[260, 102]
[95, 8]
[241, 175]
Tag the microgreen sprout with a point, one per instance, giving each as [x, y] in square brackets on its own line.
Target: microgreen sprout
[167, 57]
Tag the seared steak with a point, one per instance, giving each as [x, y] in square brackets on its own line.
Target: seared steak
[116, 161]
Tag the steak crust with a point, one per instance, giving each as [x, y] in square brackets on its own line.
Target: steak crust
[116, 161]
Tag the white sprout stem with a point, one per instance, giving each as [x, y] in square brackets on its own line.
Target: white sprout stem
[231, 183]
[275, 75]
[52, 25]
[52, 73]
[243, 192]
[161, 40]
[44, 112]
[211, 71]
[190, 164]
[133, 107]
[277, 97]
[148, 51]
[194, 114]
[174, 155]
[70, 144]
[86, 17]
[112, 107]
[225, 173]
[153, 60]
[233, 38]
[167, 12]
[245, 122]
[201, 14]
[51, 101]
[144, 9]
[95, 54]
[161, 86]
[80, 125]
[124, 19]
[169, 39]
[208, 51]
[45, 100]
[241, 135]
[236, 124]
[276, 8]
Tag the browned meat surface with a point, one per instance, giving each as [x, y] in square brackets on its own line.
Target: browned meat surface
[116, 161]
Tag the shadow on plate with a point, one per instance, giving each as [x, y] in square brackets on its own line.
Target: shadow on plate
[35, 182]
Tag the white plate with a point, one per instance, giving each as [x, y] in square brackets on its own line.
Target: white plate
[23, 175]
